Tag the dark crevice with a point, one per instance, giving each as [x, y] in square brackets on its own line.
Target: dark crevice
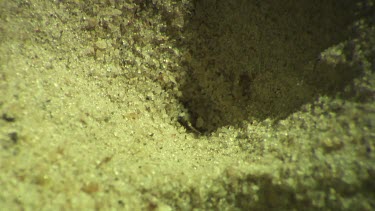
[252, 60]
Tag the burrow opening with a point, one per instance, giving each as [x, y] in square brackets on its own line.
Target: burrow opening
[252, 60]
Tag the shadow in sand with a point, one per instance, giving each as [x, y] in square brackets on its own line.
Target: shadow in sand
[261, 59]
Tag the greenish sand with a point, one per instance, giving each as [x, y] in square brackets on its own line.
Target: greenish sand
[187, 105]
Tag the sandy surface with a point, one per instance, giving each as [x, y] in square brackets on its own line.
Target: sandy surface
[164, 105]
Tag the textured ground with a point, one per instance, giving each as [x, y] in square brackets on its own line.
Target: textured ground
[176, 105]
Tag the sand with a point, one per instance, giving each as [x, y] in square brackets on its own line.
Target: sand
[187, 105]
